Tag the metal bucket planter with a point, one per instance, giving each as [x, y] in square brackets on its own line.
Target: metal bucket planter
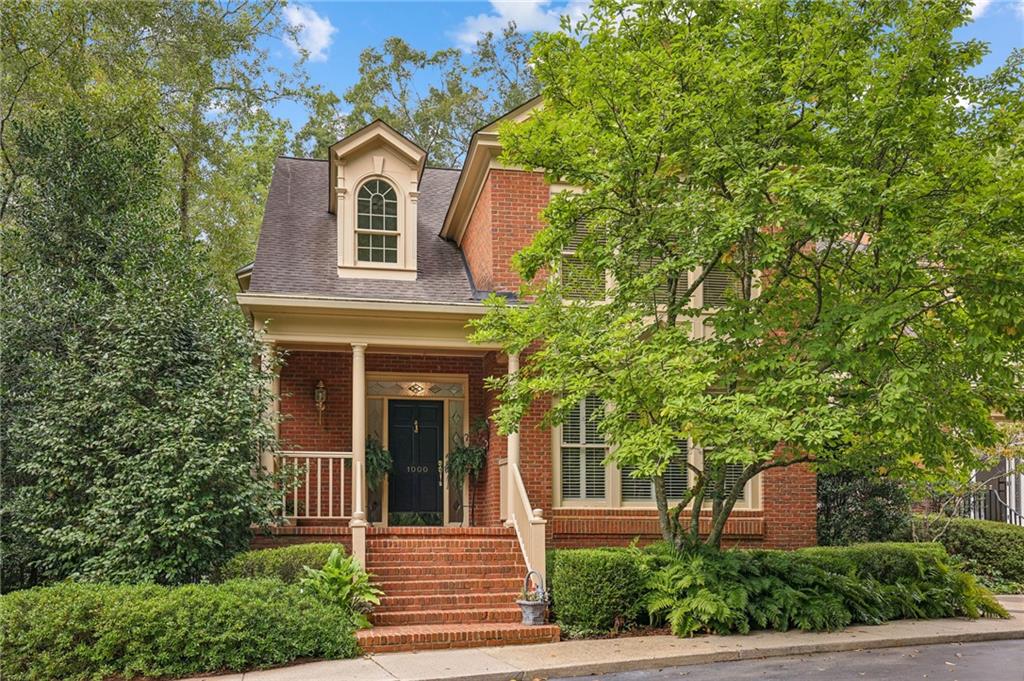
[533, 604]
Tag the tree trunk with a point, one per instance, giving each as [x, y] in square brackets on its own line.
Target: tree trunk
[185, 194]
[723, 506]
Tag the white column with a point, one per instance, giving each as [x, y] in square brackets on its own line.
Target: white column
[512, 456]
[358, 522]
[266, 362]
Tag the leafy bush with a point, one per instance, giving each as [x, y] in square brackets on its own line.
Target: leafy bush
[994, 550]
[98, 631]
[134, 416]
[342, 581]
[597, 590]
[286, 563]
[811, 589]
[854, 507]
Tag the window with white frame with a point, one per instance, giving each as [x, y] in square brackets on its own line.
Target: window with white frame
[582, 451]
[676, 477]
[377, 222]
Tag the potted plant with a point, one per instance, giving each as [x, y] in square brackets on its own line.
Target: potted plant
[378, 465]
[533, 602]
[467, 457]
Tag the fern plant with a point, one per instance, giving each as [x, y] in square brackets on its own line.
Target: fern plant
[467, 458]
[378, 463]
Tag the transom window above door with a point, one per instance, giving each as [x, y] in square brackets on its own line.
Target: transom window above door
[377, 222]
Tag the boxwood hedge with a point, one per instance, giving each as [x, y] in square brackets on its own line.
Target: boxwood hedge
[100, 631]
[284, 563]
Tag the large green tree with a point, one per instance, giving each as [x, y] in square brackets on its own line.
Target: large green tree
[439, 99]
[837, 164]
[200, 68]
[132, 414]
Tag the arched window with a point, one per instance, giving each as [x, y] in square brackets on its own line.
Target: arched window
[377, 223]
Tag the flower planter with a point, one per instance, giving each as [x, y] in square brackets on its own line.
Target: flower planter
[534, 612]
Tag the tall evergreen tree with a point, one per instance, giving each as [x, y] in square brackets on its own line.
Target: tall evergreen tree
[132, 413]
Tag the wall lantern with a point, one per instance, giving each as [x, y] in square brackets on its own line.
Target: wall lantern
[320, 396]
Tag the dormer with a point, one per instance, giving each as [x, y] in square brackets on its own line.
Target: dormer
[375, 174]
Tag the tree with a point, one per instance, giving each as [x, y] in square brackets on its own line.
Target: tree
[133, 414]
[819, 160]
[438, 100]
[202, 66]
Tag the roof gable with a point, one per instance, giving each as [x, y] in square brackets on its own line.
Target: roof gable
[368, 138]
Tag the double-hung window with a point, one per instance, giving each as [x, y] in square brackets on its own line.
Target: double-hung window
[676, 477]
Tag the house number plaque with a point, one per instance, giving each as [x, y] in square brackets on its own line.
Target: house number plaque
[417, 469]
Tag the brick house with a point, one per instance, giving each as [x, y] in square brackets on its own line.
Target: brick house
[368, 268]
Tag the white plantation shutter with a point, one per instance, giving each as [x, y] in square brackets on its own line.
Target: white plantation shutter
[720, 285]
[582, 451]
[733, 471]
[675, 476]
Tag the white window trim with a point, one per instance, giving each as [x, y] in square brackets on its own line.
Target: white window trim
[349, 265]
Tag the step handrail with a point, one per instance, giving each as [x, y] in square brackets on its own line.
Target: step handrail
[528, 522]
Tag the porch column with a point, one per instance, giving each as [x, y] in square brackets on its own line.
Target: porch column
[273, 410]
[358, 522]
[512, 455]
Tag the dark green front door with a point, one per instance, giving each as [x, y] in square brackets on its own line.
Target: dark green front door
[416, 443]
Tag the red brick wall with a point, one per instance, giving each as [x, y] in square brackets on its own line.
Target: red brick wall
[790, 506]
[504, 221]
[477, 241]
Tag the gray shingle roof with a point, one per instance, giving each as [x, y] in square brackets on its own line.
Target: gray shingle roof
[297, 251]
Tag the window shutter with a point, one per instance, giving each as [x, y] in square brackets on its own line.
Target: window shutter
[578, 281]
[571, 478]
[719, 286]
[677, 475]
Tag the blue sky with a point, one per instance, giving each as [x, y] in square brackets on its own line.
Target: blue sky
[336, 32]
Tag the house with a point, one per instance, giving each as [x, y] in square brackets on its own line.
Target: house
[369, 266]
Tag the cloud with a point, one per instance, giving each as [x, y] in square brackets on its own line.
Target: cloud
[979, 8]
[312, 32]
[528, 15]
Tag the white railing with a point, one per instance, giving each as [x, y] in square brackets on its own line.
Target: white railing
[528, 522]
[324, 485]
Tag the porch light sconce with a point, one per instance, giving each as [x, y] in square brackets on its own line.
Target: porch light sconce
[320, 397]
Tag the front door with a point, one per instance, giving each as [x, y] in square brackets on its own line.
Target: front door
[416, 443]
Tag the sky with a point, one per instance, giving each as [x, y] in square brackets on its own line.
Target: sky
[335, 32]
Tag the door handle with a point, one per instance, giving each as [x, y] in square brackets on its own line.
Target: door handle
[440, 473]
[415, 425]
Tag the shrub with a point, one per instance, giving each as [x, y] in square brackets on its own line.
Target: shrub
[854, 507]
[597, 590]
[286, 563]
[994, 550]
[811, 589]
[97, 631]
[342, 581]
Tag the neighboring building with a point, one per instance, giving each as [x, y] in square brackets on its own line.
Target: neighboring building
[368, 268]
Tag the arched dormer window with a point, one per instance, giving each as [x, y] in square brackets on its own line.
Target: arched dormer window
[377, 222]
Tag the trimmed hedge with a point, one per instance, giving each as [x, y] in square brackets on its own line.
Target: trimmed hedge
[597, 590]
[886, 562]
[992, 549]
[285, 563]
[101, 631]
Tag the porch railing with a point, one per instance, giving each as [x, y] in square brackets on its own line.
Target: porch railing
[528, 522]
[324, 485]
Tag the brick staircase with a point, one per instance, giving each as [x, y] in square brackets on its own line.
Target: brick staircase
[447, 588]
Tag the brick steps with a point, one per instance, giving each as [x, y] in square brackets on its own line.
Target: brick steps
[447, 588]
[393, 639]
[460, 616]
[449, 601]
